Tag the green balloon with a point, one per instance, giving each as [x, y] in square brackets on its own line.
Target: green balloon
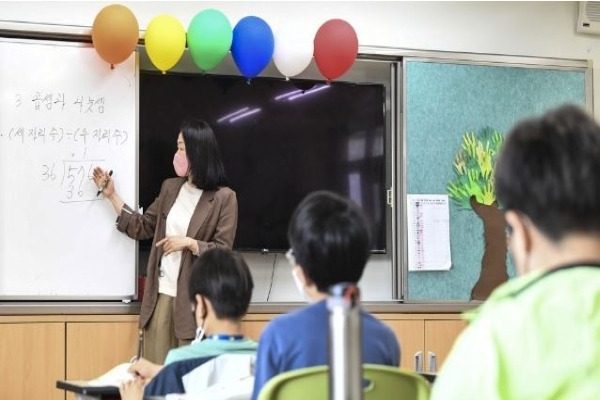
[209, 38]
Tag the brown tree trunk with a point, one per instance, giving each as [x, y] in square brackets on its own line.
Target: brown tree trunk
[493, 263]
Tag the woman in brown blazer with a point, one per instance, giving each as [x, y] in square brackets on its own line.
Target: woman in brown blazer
[191, 214]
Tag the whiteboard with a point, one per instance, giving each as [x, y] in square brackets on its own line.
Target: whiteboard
[63, 110]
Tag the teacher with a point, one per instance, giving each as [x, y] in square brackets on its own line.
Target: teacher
[192, 213]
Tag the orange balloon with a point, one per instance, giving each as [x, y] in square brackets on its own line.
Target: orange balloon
[115, 33]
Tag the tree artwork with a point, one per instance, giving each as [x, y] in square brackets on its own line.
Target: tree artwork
[473, 188]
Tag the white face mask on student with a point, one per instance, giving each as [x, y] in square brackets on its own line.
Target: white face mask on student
[199, 334]
[299, 285]
[200, 329]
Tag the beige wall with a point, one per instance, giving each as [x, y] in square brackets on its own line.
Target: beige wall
[543, 29]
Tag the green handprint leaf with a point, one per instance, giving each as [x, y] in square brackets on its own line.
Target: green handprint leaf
[474, 168]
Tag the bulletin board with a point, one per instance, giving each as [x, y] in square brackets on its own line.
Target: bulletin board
[443, 100]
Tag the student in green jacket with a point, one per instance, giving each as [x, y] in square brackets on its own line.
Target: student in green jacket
[538, 335]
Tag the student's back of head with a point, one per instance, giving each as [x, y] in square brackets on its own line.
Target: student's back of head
[219, 289]
[548, 171]
[329, 237]
[223, 277]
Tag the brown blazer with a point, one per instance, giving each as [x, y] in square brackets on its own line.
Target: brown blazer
[213, 224]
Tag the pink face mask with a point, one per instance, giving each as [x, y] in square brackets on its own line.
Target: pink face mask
[181, 165]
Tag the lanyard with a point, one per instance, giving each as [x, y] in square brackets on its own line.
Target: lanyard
[229, 338]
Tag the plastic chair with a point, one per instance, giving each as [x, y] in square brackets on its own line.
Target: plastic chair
[382, 383]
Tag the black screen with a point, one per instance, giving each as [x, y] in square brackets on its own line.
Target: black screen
[280, 140]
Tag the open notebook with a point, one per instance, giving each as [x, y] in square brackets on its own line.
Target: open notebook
[113, 377]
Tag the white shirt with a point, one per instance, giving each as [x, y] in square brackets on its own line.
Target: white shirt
[178, 221]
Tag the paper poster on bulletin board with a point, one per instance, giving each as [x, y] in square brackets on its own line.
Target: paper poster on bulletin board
[428, 233]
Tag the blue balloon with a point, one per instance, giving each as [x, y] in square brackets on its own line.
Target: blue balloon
[252, 46]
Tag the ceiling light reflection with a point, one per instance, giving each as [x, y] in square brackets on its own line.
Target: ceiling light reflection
[233, 114]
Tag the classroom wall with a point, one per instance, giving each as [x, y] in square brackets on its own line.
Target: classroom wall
[542, 29]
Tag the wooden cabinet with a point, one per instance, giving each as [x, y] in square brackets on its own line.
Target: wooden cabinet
[439, 338]
[410, 336]
[425, 339]
[254, 324]
[37, 351]
[94, 346]
[32, 358]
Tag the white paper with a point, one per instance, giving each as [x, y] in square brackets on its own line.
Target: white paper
[428, 219]
[114, 377]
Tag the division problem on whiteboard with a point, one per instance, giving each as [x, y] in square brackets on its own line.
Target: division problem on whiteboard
[74, 178]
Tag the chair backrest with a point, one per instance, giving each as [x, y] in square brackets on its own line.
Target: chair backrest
[383, 382]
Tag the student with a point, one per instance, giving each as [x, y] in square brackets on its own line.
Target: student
[220, 289]
[329, 242]
[192, 213]
[538, 335]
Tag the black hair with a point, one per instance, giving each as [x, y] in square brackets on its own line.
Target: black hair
[548, 169]
[223, 277]
[202, 150]
[329, 236]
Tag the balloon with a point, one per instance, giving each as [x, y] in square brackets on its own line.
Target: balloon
[165, 41]
[252, 46]
[209, 38]
[293, 51]
[115, 33]
[336, 48]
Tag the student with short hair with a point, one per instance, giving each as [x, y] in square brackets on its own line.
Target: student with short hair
[538, 335]
[330, 243]
[220, 289]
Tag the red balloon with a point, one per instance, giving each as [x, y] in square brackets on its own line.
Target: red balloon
[336, 48]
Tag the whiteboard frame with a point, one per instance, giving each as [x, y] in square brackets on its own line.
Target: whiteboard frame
[48, 39]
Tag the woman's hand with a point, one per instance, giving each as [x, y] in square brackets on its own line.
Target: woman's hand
[132, 390]
[177, 243]
[144, 369]
[103, 180]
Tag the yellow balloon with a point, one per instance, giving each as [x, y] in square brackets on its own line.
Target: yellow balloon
[165, 41]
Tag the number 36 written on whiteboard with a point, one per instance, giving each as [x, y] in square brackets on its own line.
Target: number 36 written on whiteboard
[74, 177]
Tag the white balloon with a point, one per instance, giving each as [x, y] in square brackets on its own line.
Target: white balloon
[293, 50]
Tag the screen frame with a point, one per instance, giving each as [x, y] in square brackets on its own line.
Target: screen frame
[364, 71]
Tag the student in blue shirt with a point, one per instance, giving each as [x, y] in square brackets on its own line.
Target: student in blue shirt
[329, 240]
[219, 289]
